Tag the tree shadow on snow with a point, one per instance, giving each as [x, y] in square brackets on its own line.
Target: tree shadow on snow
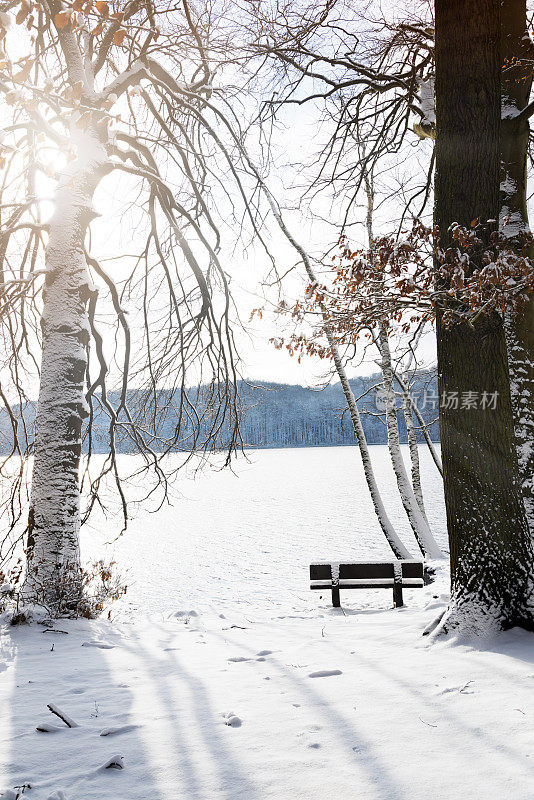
[234, 782]
[82, 673]
[198, 755]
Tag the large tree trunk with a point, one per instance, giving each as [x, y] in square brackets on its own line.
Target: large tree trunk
[491, 554]
[517, 53]
[53, 567]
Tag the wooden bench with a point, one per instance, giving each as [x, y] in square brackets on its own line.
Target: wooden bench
[367, 575]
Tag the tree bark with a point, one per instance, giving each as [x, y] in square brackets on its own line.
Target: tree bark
[517, 53]
[53, 566]
[407, 410]
[420, 527]
[491, 553]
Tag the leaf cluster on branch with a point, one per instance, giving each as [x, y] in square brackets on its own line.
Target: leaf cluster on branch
[408, 280]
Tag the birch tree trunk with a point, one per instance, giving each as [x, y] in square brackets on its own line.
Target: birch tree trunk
[398, 548]
[408, 412]
[395, 543]
[53, 568]
[517, 52]
[422, 425]
[420, 527]
[412, 504]
[491, 551]
[414, 452]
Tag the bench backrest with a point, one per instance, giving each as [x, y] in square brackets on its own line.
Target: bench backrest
[368, 569]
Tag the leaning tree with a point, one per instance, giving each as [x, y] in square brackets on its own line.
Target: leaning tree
[113, 100]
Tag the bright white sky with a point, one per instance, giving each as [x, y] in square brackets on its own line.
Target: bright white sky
[295, 141]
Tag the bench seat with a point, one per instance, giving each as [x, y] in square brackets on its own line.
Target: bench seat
[367, 575]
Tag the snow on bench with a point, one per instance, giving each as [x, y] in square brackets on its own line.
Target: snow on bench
[367, 575]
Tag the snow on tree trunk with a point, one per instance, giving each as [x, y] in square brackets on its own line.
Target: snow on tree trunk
[389, 532]
[420, 527]
[517, 51]
[53, 568]
[522, 392]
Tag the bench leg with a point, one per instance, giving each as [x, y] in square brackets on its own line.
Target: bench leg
[336, 602]
[397, 595]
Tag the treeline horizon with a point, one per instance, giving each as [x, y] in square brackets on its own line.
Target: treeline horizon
[271, 415]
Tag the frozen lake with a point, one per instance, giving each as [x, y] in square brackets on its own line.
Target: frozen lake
[265, 692]
[248, 536]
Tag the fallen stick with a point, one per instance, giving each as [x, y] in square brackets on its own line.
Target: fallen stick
[61, 714]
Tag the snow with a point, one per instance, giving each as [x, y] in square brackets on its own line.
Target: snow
[223, 677]
[426, 96]
[509, 108]
[512, 223]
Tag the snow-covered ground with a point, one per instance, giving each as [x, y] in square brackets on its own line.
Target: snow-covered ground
[246, 540]
[222, 677]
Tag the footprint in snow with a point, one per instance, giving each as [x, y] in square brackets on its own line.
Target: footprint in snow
[77, 690]
[232, 720]
[238, 659]
[100, 645]
[59, 795]
[265, 653]
[464, 689]
[325, 673]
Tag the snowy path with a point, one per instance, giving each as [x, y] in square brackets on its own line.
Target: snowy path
[323, 704]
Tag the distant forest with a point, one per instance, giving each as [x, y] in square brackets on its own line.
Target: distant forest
[273, 415]
[279, 415]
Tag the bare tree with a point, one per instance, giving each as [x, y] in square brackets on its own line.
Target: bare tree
[96, 91]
